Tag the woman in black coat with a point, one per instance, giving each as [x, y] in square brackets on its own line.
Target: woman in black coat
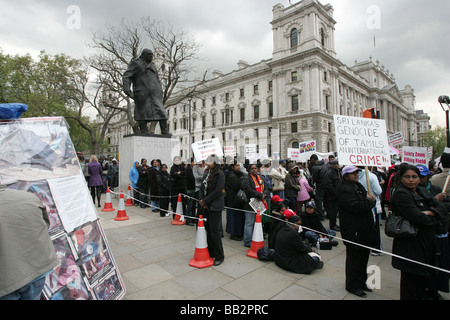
[412, 202]
[178, 175]
[291, 251]
[357, 222]
[164, 182]
[212, 204]
[235, 218]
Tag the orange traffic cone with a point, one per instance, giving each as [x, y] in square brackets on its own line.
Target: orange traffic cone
[121, 213]
[179, 218]
[257, 238]
[129, 201]
[108, 204]
[201, 257]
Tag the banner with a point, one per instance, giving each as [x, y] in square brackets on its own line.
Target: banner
[415, 155]
[38, 157]
[361, 141]
[203, 149]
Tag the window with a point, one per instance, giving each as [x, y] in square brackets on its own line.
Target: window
[242, 114]
[270, 109]
[294, 76]
[256, 112]
[322, 37]
[270, 85]
[203, 121]
[214, 120]
[294, 128]
[227, 96]
[214, 100]
[296, 145]
[255, 89]
[294, 103]
[294, 38]
[241, 93]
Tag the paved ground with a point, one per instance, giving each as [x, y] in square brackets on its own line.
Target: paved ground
[153, 258]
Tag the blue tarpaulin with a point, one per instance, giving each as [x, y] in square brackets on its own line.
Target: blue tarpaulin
[12, 110]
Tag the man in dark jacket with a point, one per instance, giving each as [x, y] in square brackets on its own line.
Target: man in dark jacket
[357, 222]
[153, 184]
[291, 251]
[332, 179]
[143, 183]
[178, 175]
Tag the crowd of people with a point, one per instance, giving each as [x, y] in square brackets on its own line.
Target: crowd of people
[298, 199]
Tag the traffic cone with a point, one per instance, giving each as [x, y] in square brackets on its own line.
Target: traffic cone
[121, 213]
[201, 257]
[257, 238]
[129, 201]
[108, 204]
[179, 218]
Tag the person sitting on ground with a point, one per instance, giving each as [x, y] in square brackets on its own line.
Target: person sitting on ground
[314, 229]
[277, 220]
[292, 253]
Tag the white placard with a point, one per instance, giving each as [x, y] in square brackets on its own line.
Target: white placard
[73, 199]
[203, 149]
[396, 139]
[294, 154]
[229, 151]
[415, 155]
[362, 141]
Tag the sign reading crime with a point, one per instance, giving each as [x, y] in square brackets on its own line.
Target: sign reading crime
[361, 141]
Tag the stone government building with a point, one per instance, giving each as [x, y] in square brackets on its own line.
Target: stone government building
[291, 97]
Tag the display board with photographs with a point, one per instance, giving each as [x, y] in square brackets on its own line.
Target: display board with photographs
[37, 156]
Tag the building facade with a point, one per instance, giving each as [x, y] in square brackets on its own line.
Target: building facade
[291, 97]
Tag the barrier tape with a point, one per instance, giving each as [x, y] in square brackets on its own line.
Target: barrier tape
[325, 234]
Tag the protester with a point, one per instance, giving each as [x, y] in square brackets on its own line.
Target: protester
[153, 184]
[437, 280]
[277, 174]
[411, 202]
[235, 215]
[358, 226]
[178, 175]
[303, 196]
[440, 179]
[253, 186]
[292, 185]
[113, 173]
[277, 220]
[313, 228]
[212, 203]
[291, 251]
[95, 179]
[317, 177]
[134, 176]
[376, 190]
[143, 184]
[27, 253]
[331, 179]
[164, 186]
[190, 192]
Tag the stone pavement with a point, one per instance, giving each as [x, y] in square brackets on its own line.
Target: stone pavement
[153, 258]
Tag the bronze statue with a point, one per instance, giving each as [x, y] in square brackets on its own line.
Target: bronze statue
[147, 92]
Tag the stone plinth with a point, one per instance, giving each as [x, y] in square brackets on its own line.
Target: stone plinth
[148, 146]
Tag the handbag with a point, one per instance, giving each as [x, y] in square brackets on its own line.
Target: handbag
[399, 227]
[241, 196]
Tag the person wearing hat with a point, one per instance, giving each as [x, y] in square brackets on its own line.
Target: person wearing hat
[315, 229]
[357, 227]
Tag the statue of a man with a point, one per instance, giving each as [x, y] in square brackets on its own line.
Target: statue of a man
[147, 91]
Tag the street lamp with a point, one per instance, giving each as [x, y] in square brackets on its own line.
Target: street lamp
[446, 100]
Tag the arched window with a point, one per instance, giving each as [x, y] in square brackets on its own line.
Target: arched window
[295, 145]
[294, 38]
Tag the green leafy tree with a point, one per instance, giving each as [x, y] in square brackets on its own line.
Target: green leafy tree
[436, 138]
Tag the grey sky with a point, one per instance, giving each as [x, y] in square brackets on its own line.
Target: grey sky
[412, 40]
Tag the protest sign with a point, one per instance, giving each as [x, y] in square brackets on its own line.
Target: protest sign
[203, 149]
[250, 152]
[362, 141]
[307, 148]
[396, 139]
[229, 151]
[294, 154]
[415, 155]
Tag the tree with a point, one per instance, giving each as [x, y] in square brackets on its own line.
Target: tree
[174, 55]
[436, 138]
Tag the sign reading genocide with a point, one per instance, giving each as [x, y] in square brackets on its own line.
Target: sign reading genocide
[361, 141]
